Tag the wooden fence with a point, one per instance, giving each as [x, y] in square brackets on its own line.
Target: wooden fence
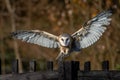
[67, 70]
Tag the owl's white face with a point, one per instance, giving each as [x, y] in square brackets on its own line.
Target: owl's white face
[65, 40]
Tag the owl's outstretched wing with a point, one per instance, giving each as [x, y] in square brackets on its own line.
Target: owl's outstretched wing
[37, 37]
[93, 29]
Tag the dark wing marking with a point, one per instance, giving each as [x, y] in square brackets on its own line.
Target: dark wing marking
[93, 29]
[37, 37]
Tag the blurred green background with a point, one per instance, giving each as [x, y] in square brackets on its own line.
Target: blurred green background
[56, 16]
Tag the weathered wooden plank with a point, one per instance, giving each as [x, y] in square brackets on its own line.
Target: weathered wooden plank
[105, 65]
[32, 65]
[43, 75]
[68, 70]
[53, 75]
[99, 74]
[61, 71]
[15, 66]
[75, 68]
[87, 66]
[50, 65]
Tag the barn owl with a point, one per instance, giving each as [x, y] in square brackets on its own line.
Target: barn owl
[90, 32]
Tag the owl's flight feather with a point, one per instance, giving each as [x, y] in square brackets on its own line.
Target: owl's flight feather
[93, 29]
[37, 37]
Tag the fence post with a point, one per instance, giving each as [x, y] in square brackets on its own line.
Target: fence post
[68, 70]
[50, 65]
[0, 67]
[87, 66]
[32, 65]
[15, 66]
[105, 65]
[75, 70]
[61, 72]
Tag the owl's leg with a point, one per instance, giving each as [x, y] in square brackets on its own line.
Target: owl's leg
[60, 56]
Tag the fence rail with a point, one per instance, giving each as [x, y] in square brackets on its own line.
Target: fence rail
[67, 70]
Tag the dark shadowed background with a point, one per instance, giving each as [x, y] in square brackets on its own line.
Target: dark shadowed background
[56, 17]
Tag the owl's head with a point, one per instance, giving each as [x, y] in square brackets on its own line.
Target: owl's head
[65, 40]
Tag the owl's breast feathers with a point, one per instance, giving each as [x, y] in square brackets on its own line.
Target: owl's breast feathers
[64, 50]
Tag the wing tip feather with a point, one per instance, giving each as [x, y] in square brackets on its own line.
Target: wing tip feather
[13, 34]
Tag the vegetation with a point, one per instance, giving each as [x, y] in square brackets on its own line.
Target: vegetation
[57, 16]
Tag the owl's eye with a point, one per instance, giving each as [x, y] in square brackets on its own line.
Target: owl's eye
[67, 39]
[62, 39]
